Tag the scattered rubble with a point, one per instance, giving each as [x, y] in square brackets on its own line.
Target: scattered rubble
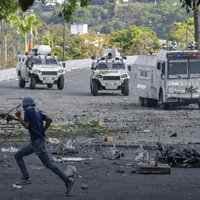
[142, 155]
[71, 171]
[70, 159]
[56, 147]
[17, 186]
[10, 149]
[112, 154]
[175, 157]
[84, 186]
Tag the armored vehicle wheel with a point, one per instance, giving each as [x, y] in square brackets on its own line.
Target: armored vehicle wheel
[141, 100]
[147, 102]
[94, 88]
[165, 105]
[32, 82]
[91, 88]
[126, 87]
[198, 105]
[60, 82]
[154, 102]
[21, 82]
[50, 85]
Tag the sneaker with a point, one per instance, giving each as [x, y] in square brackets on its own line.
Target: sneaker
[69, 185]
[24, 181]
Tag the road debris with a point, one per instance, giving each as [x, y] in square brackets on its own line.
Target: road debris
[84, 186]
[17, 186]
[71, 171]
[173, 135]
[56, 147]
[70, 159]
[113, 153]
[142, 155]
[150, 168]
[10, 149]
[186, 157]
[108, 139]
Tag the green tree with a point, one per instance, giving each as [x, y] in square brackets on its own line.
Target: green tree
[54, 41]
[135, 40]
[92, 43]
[178, 32]
[68, 7]
[26, 24]
[7, 7]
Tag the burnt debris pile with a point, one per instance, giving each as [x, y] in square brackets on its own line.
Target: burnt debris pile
[179, 157]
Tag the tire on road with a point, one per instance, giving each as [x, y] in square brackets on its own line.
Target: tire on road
[94, 88]
[60, 82]
[125, 89]
[21, 81]
[165, 105]
[32, 81]
[141, 100]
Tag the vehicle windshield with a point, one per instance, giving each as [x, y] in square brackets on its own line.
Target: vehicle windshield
[50, 61]
[38, 61]
[177, 69]
[194, 67]
[101, 66]
[118, 66]
[184, 68]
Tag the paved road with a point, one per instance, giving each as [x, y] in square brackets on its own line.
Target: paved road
[100, 174]
[103, 181]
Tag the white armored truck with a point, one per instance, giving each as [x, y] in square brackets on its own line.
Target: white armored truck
[171, 77]
[40, 67]
[109, 73]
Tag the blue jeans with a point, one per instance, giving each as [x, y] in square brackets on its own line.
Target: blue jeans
[38, 147]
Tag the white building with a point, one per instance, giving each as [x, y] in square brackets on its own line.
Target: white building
[77, 29]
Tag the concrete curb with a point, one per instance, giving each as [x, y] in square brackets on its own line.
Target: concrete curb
[8, 74]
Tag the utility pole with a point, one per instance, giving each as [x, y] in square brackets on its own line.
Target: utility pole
[196, 14]
[3, 45]
[186, 36]
[64, 27]
[64, 38]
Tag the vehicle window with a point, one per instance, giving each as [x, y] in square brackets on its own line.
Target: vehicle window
[19, 59]
[38, 61]
[194, 66]
[118, 66]
[50, 61]
[177, 68]
[101, 66]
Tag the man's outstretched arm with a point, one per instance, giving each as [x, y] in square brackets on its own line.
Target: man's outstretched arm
[48, 122]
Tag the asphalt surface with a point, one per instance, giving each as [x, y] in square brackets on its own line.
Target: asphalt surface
[106, 179]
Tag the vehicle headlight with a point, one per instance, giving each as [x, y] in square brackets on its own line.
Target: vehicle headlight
[98, 76]
[60, 71]
[124, 76]
[171, 90]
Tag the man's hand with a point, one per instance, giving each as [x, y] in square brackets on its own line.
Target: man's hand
[18, 113]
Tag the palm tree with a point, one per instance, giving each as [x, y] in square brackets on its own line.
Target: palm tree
[27, 24]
